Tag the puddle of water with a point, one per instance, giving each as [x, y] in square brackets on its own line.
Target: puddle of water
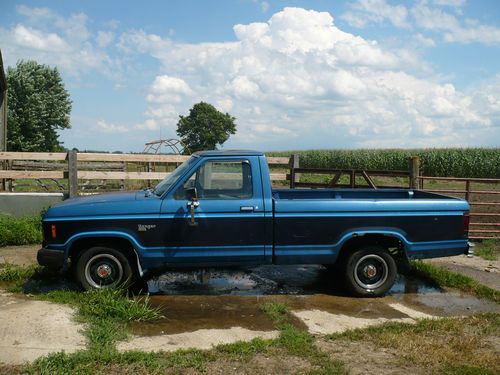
[228, 298]
[412, 285]
[448, 304]
[190, 313]
[264, 280]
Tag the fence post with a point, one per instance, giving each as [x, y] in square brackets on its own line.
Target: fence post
[294, 163]
[414, 172]
[9, 183]
[467, 190]
[72, 174]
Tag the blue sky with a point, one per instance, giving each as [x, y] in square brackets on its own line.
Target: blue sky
[295, 74]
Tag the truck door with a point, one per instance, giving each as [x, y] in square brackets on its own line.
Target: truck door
[226, 223]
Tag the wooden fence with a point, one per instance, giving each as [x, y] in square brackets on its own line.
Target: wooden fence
[483, 195]
[75, 172]
[72, 171]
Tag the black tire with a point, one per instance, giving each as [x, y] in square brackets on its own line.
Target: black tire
[370, 272]
[104, 267]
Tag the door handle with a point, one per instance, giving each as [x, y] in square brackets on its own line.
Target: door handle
[246, 208]
[192, 205]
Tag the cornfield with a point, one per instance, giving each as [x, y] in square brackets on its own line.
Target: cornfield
[452, 162]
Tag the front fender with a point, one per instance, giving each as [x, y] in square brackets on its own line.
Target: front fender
[136, 247]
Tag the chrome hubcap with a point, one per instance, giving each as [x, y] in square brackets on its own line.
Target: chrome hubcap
[370, 271]
[103, 271]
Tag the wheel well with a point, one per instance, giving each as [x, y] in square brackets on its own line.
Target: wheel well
[116, 243]
[393, 244]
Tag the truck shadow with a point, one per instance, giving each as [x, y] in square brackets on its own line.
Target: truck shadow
[239, 281]
[265, 280]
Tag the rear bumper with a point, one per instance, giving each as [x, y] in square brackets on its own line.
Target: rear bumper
[50, 258]
[470, 249]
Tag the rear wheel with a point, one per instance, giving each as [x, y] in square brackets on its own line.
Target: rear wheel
[370, 272]
[103, 267]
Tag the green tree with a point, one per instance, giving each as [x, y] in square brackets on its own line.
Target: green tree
[205, 127]
[38, 106]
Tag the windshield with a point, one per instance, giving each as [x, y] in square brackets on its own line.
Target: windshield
[163, 186]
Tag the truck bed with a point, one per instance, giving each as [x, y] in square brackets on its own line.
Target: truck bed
[428, 224]
[370, 194]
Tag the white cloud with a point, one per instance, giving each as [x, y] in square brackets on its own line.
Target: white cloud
[364, 12]
[52, 39]
[299, 81]
[30, 38]
[243, 87]
[424, 41]
[165, 85]
[266, 129]
[450, 3]
[105, 127]
[429, 17]
[166, 89]
[149, 124]
[104, 38]
[454, 31]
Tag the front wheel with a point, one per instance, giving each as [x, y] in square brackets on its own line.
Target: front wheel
[103, 267]
[370, 272]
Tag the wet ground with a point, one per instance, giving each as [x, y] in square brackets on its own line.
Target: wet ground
[221, 299]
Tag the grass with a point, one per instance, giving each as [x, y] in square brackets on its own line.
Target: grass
[488, 249]
[107, 303]
[11, 273]
[447, 345]
[99, 358]
[300, 343]
[105, 314]
[448, 279]
[276, 311]
[20, 230]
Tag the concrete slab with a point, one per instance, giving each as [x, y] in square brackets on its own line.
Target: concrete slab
[30, 329]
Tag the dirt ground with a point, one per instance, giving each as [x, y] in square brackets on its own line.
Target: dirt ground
[206, 308]
[20, 255]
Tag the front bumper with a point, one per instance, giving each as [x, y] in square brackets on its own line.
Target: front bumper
[50, 258]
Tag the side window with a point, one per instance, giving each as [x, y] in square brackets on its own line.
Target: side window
[220, 180]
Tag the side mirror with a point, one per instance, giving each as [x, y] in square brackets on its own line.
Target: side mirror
[192, 194]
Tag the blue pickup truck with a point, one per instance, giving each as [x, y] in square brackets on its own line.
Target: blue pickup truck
[218, 209]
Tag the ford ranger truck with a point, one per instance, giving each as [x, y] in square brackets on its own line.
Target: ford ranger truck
[218, 209]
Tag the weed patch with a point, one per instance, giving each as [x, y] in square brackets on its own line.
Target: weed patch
[11, 273]
[276, 311]
[449, 345]
[445, 278]
[20, 230]
[488, 249]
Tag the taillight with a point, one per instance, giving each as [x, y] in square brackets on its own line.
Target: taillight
[466, 222]
[53, 231]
